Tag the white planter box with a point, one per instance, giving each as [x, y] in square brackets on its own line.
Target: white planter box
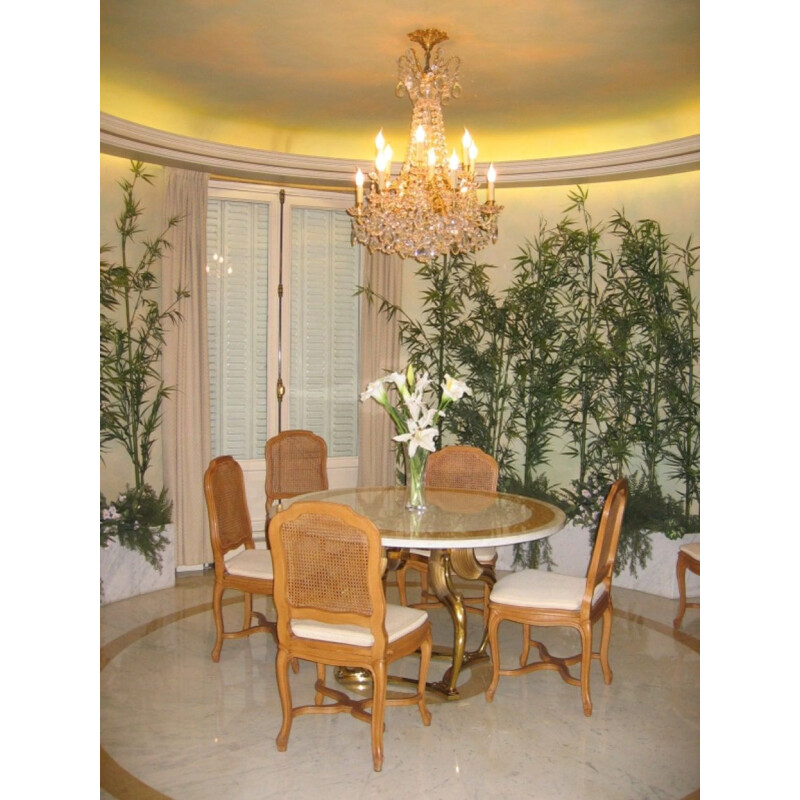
[571, 553]
[124, 573]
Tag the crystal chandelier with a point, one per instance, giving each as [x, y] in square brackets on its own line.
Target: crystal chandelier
[431, 208]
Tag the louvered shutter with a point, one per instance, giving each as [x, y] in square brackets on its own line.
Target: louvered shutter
[237, 326]
[323, 388]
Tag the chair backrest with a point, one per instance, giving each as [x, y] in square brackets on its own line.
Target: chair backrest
[327, 566]
[297, 462]
[604, 552]
[228, 515]
[461, 466]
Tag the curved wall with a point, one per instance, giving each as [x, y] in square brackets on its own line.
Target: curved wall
[660, 182]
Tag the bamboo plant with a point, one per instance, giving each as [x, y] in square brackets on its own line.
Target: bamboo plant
[132, 392]
[590, 354]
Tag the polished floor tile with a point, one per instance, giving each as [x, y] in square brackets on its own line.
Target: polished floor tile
[174, 724]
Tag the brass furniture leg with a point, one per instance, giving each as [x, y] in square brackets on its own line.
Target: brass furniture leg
[686, 560]
[441, 565]
[468, 567]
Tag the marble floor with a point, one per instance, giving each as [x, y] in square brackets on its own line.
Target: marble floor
[176, 725]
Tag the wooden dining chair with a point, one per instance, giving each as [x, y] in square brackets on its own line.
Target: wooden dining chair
[250, 569]
[297, 463]
[454, 467]
[332, 610]
[535, 598]
[688, 558]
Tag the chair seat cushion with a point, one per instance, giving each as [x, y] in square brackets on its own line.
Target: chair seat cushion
[692, 550]
[533, 588]
[251, 564]
[400, 621]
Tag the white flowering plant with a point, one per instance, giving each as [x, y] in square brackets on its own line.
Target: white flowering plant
[415, 413]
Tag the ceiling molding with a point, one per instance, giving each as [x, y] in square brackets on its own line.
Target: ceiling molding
[119, 137]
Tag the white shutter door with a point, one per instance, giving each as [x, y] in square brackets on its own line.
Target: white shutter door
[237, 303]
[323, 387]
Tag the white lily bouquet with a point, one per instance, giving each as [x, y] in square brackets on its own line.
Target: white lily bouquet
[415, 420]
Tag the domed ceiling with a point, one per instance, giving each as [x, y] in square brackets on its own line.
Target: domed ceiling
[540, 79]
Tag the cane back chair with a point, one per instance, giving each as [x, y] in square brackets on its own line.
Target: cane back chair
[250, 569]
[535, 598]
[455, 467]
[332, 610]
[297, 462]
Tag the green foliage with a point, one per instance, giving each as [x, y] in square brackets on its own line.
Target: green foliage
[589, 348]
[538, 553]
[584, 345]
[536, 314]
[137, 520]
[132, 392]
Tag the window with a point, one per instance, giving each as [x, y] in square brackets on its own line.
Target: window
[323, 389]
[320, 338]
[238, 288]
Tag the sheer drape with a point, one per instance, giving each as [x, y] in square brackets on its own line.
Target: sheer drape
[380, 351]
[186, 430]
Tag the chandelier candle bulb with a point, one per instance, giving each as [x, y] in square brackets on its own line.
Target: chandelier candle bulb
[491, 177]
[380, 165]
[431, 163]
[466, 141]
[454, 169]
[388, 153]
[359, 187]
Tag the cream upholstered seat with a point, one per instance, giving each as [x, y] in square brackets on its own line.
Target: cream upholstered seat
[399, 621]
[688, 558]
[237, 562]
[535, 598]
[332, 610]
[455, 467]
[534, 588]
[297, 463]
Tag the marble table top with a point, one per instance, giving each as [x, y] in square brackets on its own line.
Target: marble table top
[454, 518]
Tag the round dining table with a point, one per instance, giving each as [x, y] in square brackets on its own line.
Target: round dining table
[454, 522]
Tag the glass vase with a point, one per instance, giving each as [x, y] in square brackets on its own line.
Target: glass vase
[415, 478]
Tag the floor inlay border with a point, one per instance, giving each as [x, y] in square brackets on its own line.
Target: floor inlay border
[120, 783]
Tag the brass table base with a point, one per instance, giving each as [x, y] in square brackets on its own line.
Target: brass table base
[441, 566]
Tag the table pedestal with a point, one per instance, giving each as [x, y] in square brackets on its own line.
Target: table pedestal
[454, 523]
[441, 565]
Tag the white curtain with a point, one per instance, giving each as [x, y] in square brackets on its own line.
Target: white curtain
[380, 351]
[186, 429]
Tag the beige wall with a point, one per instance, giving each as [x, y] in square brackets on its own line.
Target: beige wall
[672, 200]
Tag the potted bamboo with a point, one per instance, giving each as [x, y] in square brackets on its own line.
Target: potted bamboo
[132, 393]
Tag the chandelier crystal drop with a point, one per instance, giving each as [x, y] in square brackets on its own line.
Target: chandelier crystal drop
[431, 208]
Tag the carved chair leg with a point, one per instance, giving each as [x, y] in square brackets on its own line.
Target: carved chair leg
[608, 615]
[681, 575]
[401, 585]
[378, 708]
[586, 663]
[494, 647]
[282, 673]
[218, 623]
